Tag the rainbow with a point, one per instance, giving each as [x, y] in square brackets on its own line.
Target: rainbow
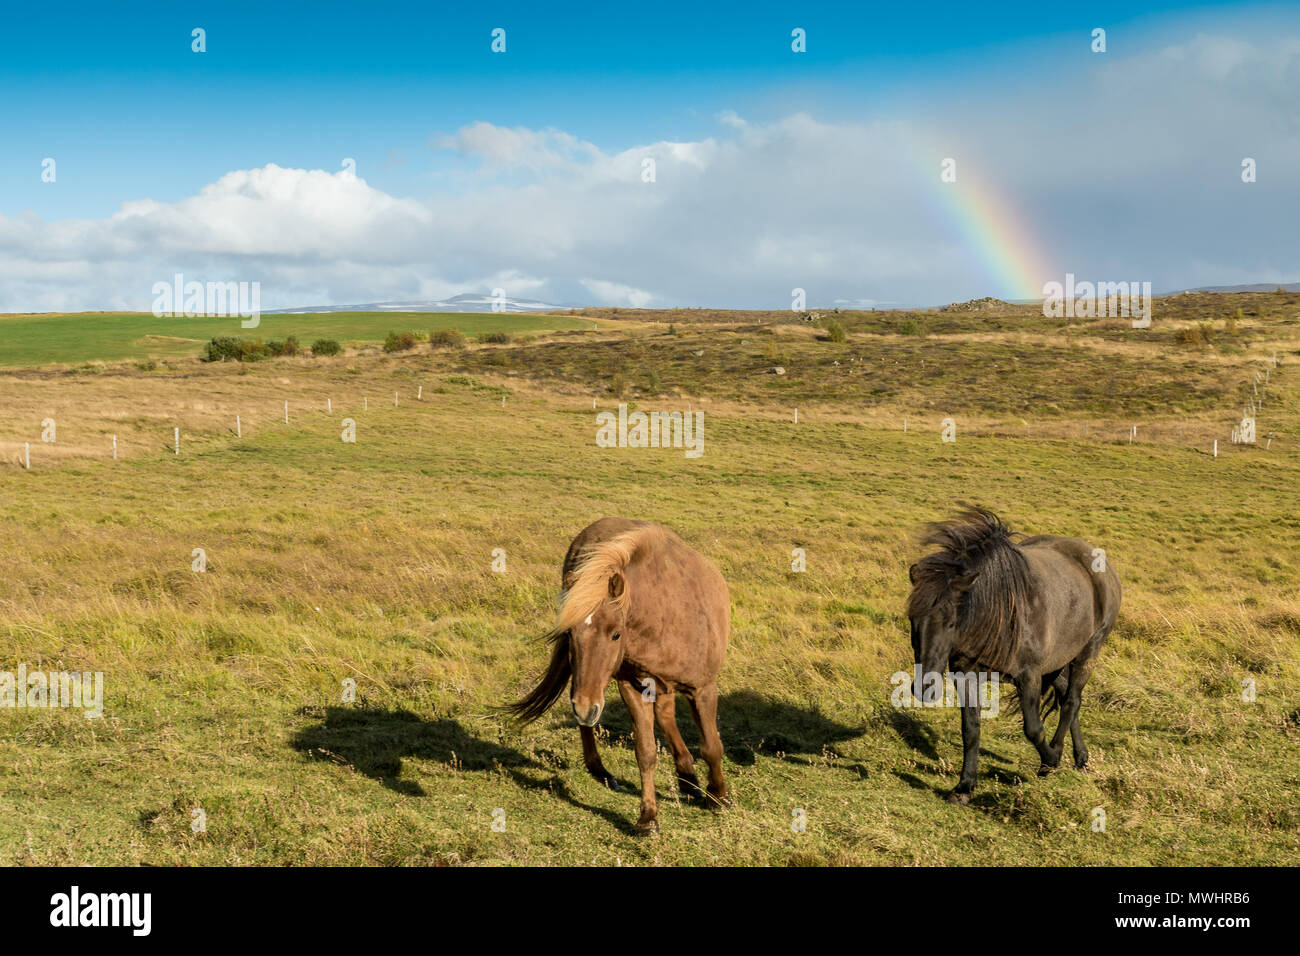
[991, 228]
[999, 237]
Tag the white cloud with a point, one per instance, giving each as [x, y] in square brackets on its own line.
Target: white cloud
[510, 147]
[614, 293]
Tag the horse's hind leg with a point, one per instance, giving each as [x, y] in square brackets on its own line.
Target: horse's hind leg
[704, 708]
[666, 715]
[1031, 696]
[1080, 751]
[1060, 685]
[1073, 702]
[591, 758]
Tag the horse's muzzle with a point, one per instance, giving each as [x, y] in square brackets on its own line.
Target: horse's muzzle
[590, 717]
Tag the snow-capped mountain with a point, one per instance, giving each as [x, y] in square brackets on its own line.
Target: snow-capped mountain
[465, 302]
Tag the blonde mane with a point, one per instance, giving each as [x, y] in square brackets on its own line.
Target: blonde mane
[591, 577]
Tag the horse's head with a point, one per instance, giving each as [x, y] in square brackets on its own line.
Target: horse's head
[968, 597]
[933, 609]
[596, 651]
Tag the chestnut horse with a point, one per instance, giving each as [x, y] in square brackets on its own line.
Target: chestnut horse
[1034, 611]
[644, 609]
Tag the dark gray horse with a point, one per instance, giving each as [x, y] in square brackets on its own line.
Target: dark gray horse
[1033, 611]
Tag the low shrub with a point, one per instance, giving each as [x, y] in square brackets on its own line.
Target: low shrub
[1199, 334]
[446, 339]
[288, 347]
[226, 348]
[399, 342]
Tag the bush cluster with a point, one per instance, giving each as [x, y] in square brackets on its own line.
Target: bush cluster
[399, 341]
[446, 339]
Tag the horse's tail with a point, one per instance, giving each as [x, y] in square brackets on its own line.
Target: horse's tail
[1051, 701]
[539, 700]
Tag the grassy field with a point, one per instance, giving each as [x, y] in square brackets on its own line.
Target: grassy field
[373, 561]
[45, 339]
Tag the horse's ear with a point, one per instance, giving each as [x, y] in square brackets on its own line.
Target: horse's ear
[616, 585]
[911, 574]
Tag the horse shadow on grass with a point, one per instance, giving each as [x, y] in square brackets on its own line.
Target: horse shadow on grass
[752, 724]
[984, 798]
[924, 739]
[375, 741]
[917, 734]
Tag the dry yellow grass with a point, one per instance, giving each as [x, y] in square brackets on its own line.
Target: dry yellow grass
[372, 562]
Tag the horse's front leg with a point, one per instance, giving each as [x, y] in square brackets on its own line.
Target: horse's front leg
[1031, 700]
[591, 758]
[643, 732]
[970, 739]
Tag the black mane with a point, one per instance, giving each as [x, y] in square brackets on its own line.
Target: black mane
[979, 566]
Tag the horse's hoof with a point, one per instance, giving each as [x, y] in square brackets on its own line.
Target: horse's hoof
[961, 797]
[718, 800]
[1081, 764]
[1046, 771]
[647, 828]
[689, 787]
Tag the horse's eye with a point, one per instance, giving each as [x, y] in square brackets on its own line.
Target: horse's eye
[616, 635]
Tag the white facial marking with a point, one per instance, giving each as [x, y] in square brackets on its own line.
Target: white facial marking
[588, 620]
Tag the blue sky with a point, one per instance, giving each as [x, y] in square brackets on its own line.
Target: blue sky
[131, 115]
